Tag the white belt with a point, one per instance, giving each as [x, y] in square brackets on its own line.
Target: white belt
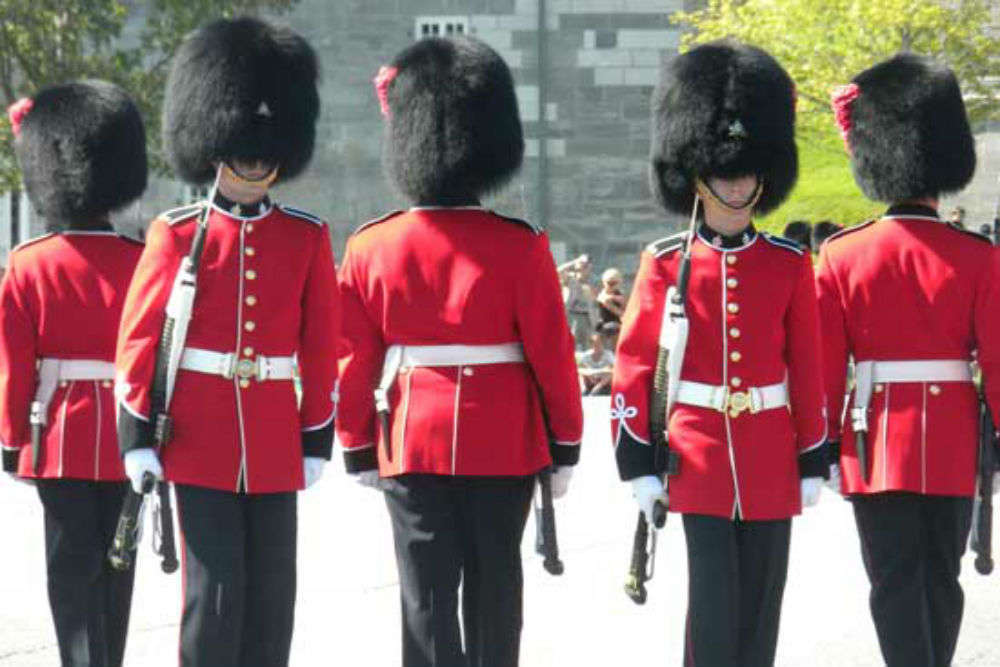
[230, 365]
[950, 370]
[414, 356]
[869, 373]
[724, 399]
[52, 371]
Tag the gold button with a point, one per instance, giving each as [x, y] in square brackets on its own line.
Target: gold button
[251, 274]
[249, 227]
[248, 351]
[106, 384]
[63, 384]
[244, 383]
[734, 332]
[879, 388]
[466, 371]
[730, 259]
[934, 389]
[734, 413]
[732, 283]
[735, 356]
[250, 252]
[735, 382]
[251, 300]
[250, 326]
[733, 307]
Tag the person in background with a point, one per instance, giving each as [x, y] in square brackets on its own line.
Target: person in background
[957, 217]
[453, 317]
[595, 365]
[579, 298]
[912, 299]
[801, 232]
[611, 298]
[81, 147]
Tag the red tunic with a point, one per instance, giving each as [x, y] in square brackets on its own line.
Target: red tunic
[61, 298]
[753, 322]
[266, 286]
[446, 277]
[910, 287]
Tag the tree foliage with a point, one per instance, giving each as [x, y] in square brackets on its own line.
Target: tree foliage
[43, 42]
[823, 43]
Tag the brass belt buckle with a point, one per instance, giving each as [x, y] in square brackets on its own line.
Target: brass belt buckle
[246, 369]
[737, 402]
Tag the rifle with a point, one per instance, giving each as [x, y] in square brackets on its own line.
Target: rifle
[126, 538]
[546, 543]
[981, 537]
[168, 358]
[673, 338]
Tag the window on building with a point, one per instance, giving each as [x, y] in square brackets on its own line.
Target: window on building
[605, 39]
[441, 26]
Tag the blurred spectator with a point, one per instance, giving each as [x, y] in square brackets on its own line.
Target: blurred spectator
[579, 298]
[800, 232]
[823, 230]
[595, 366]
[986, 230]
[611, 298]
[957, 216]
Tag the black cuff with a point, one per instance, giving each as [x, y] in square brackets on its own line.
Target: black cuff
[636, 459]
[564, 455]
[10, 459]
[359, 460]
[133, 433]
[318, 443]
[815, 462]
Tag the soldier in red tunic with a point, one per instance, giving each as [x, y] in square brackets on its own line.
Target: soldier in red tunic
[912, 299]
[241, 106]
[457, 376]
[82, 151]
[747, 419]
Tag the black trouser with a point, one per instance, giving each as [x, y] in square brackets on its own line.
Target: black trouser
[452, 528]
[90, 600]
[736, 579]
[912, 547]
[239, 577]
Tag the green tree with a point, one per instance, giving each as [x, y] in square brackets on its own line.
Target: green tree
[50, 41]
[823, 43]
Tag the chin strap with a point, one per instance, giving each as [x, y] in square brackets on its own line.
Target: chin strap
[705, 191]
[265, 181]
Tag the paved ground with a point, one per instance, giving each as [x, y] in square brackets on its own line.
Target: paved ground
[347, 610]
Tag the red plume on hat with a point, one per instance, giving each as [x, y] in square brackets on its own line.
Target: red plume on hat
[17, 111]
[382, 80]
[841, 100]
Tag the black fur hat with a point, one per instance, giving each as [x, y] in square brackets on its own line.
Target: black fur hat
[82, 151]
[908, 133]
[241, 89]
[454, 131]
[723, 109]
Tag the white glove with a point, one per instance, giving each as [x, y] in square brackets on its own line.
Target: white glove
[23, 480]
[834, 482]
[367, 478]
[811, 487]
[137, 463]
[312, 469]
[996, 483]
[647, 490]
[560, 480]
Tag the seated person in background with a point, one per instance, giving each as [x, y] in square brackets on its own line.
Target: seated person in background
[595, 366]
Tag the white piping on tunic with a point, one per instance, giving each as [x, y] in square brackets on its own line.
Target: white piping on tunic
[62, 428]
[454, 423]
[885, 437]
[97, 443]
[923, 439]
[406, 419]
[737, 505]
[242, 475]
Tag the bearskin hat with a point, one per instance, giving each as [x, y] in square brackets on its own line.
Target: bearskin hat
[241, 89]
[906, 128]
[82, 151]
[723, 109]
[453, 130]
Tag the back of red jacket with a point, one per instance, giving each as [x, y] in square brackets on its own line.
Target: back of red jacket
[61, 298]
[456, 276]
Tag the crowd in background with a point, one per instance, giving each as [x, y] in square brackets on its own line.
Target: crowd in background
[594, 315]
